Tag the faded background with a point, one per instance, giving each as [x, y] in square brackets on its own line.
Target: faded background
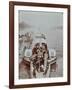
[48, 23]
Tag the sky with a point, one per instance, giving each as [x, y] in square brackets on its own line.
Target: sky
[48, 23]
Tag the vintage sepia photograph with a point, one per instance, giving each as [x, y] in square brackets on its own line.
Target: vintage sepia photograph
[40, 44]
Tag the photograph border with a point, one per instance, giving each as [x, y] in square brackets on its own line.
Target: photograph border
[11, 43]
